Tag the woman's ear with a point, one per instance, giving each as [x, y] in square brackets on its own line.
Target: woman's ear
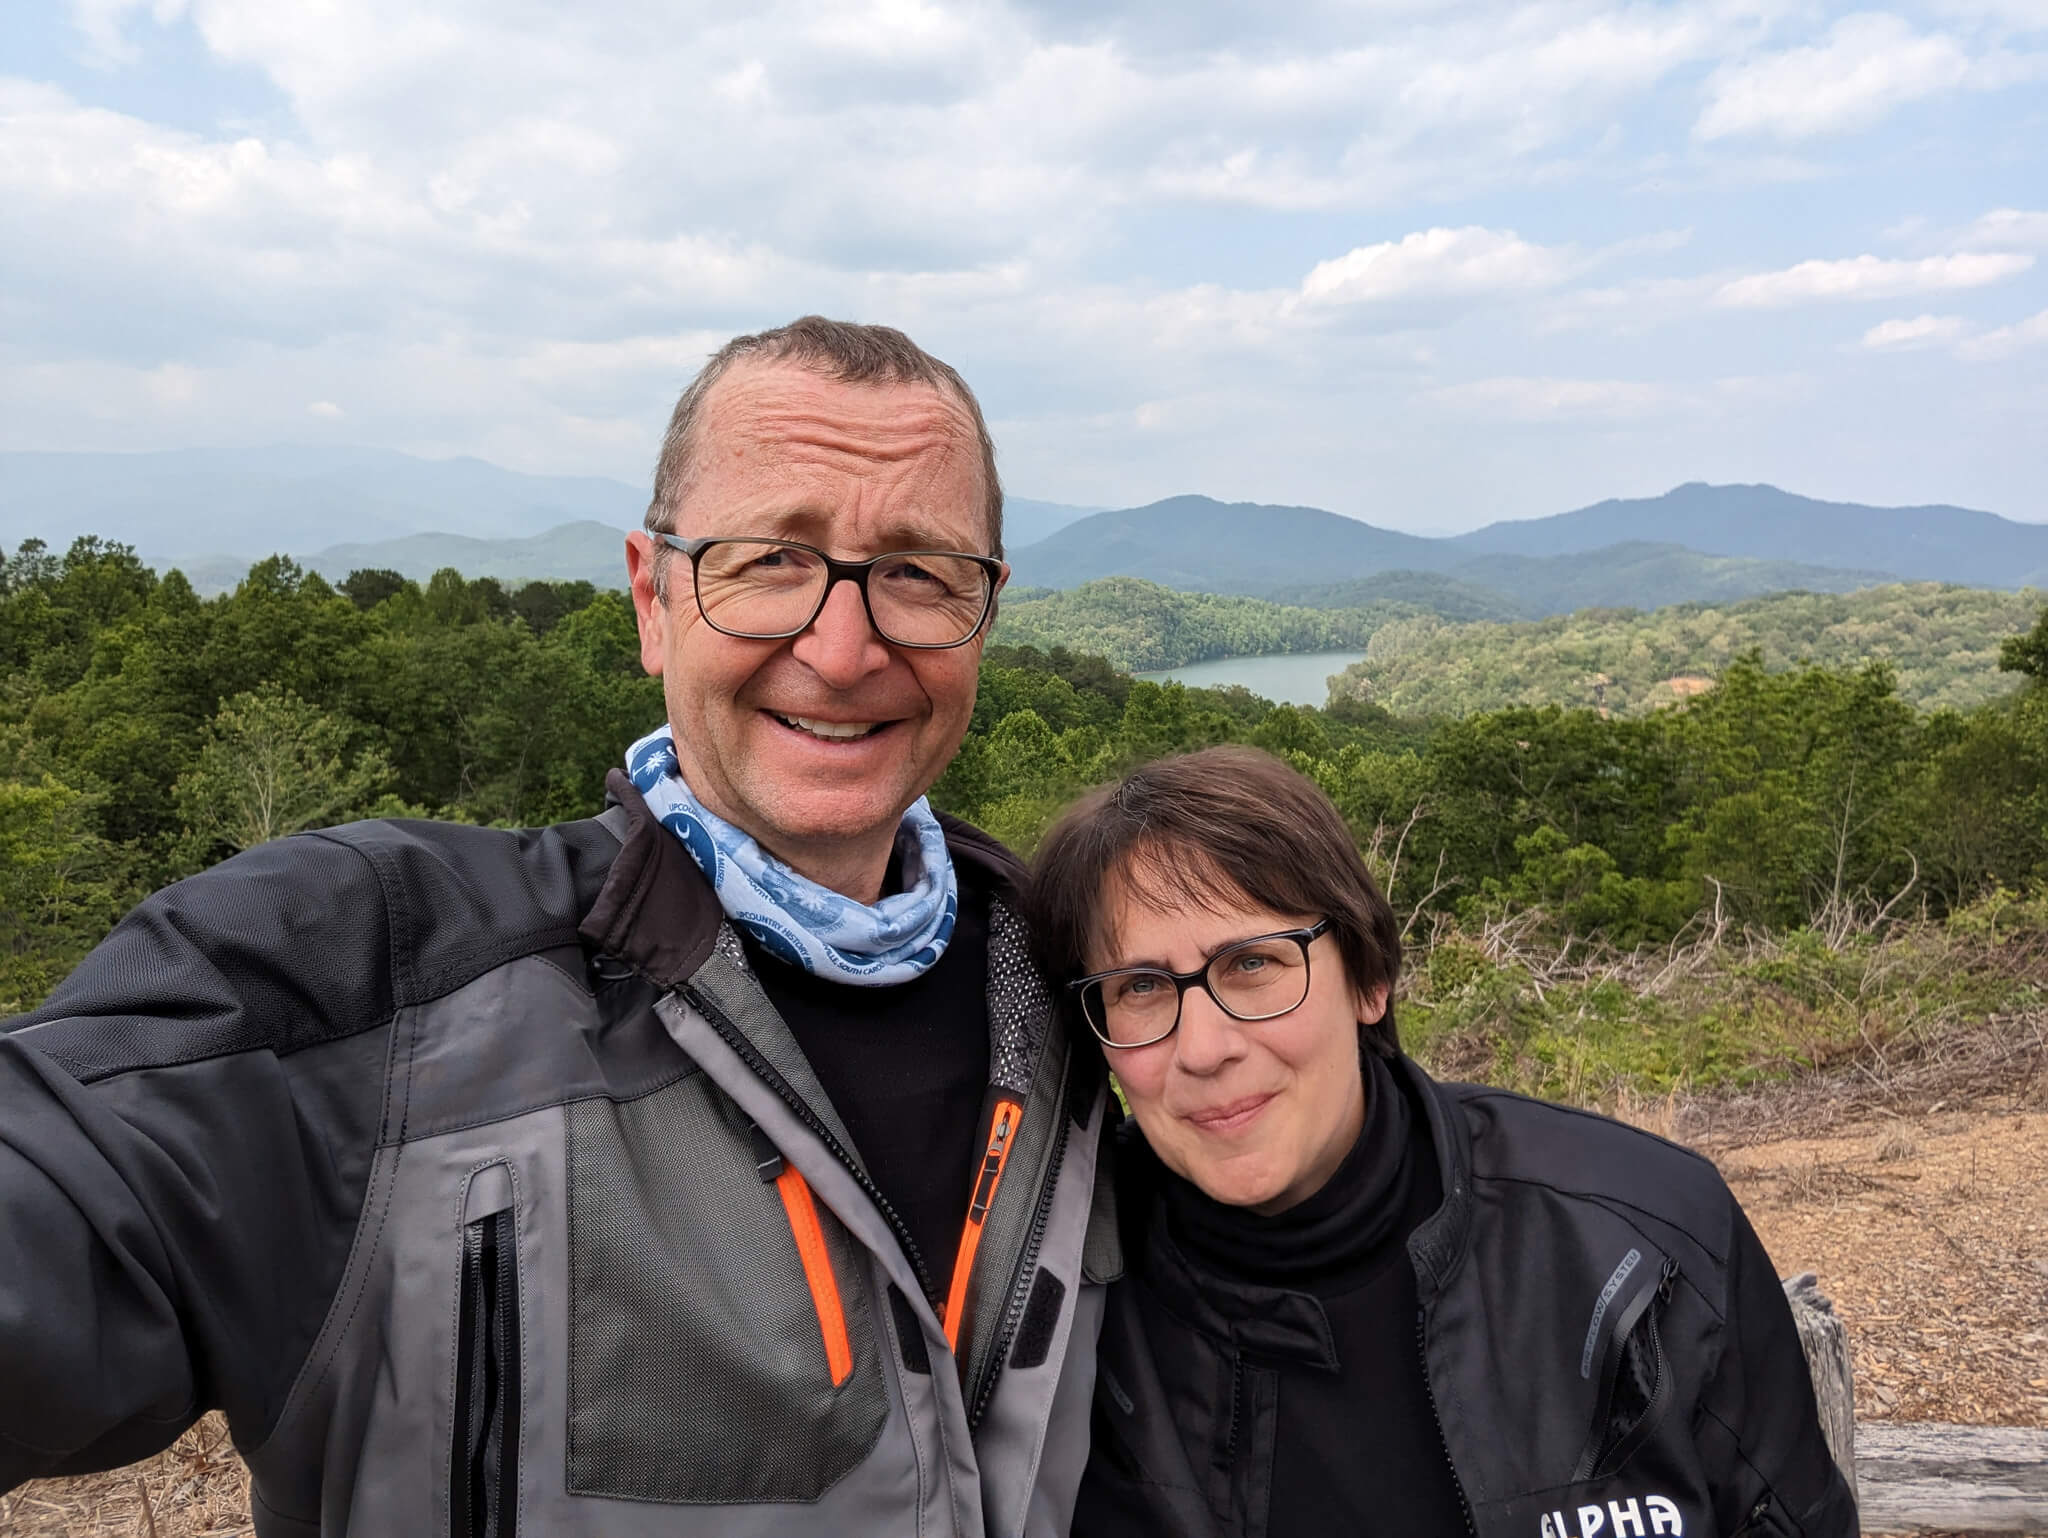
[1371, 1003]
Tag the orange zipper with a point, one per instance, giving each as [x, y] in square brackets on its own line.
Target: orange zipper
[1000, 1137]
[810, 1248]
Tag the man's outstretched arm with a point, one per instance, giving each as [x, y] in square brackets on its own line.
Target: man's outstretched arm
[186, 1129]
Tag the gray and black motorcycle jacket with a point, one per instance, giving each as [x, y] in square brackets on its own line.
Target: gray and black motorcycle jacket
[473, 1176]
[1607, 1351]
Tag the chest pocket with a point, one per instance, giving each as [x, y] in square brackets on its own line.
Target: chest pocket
[721, 1331]
[1634, 1377]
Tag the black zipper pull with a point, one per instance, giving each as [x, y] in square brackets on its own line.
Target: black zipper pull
[1665, 1278]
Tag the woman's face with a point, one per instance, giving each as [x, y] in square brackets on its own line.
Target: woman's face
[1257, 1113]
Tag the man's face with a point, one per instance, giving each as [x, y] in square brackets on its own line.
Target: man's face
[856, 470]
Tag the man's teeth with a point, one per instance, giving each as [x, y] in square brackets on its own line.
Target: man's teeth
[838, 731]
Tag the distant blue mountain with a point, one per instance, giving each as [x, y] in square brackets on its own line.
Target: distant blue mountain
[1697, 542]
[1935, 543]
[247, 503]
[1026, 522]
[213, 511]
[1202, 545]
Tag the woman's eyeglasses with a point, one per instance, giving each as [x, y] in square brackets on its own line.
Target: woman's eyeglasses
[1256, 979]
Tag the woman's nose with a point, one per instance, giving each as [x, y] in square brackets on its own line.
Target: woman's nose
[1207, 1037]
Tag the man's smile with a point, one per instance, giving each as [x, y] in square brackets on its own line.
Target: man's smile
[829, 731]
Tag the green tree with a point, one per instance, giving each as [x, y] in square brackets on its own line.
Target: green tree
[61, 886]
[372, 585]
[2028, 652]
[272, 764]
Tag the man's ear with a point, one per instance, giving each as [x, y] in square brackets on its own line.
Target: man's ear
[648, 609]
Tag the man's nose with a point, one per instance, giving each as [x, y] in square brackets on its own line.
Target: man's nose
[1207, 1037]
[840, 646]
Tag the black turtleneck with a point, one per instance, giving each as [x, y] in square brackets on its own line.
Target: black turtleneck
[1356, 1450]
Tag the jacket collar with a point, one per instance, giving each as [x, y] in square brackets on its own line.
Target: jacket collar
[1438, 1243]
[659, 914]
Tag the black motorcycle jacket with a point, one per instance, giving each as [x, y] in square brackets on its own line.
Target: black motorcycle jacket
[1607, 1348]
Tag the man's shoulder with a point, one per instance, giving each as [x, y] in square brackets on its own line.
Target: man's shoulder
[315, 937]
[453, 876]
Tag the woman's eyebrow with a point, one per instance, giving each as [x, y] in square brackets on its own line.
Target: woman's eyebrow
[1208, 956]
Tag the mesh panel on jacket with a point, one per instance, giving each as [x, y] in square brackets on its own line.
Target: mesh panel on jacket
[697, 1367]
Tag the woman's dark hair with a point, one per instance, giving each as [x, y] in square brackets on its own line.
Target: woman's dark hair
[1222, 824]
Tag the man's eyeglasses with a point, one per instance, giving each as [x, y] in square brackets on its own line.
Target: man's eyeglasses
[771, 589]
[1257, 979]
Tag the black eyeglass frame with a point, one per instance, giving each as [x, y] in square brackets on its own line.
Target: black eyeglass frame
[1199, 978]
[836, 571]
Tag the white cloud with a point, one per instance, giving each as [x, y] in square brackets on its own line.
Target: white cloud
[1869, 64]
[1521, 399]
[1870, 277]
[1920, 331]
[1438, 262]
[2020, 15]
[2006, 340]
[2008, 229]
[326, 410]
[515, 229]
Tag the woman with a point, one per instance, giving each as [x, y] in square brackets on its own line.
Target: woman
[1355, 1300]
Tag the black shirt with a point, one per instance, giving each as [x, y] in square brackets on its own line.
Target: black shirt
[906, 1068]
[1358, 1450]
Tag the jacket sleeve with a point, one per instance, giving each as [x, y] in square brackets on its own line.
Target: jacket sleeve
[1759, 1431]
[186, 1129]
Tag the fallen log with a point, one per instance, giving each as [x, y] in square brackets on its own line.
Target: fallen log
[1918, 1477]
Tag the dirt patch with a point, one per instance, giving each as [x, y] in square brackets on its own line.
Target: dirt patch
[1931, 1235]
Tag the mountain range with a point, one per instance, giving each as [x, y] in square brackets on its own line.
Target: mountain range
[213, 511]
[1696, 541]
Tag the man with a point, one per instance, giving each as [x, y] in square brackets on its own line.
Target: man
[708, 1166]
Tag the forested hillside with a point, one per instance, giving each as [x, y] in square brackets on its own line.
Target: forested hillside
[145, 733]
[1942, 643]
[1144, 627]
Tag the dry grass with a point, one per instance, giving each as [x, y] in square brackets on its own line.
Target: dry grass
[1875, 1014]
[195, 1488]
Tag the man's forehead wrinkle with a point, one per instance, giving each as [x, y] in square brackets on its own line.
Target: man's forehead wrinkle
[904, 431]
[800, 455]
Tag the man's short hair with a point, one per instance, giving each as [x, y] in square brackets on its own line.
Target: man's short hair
[839, 350]
[1219, 825]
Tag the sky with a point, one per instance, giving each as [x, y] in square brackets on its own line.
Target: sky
[1425, 262]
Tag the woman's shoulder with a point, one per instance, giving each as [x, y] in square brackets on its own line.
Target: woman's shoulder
[1577, 1152]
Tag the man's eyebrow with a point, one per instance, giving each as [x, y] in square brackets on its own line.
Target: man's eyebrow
[814, 526]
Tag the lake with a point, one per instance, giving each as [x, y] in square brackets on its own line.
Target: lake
[1302, 678]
